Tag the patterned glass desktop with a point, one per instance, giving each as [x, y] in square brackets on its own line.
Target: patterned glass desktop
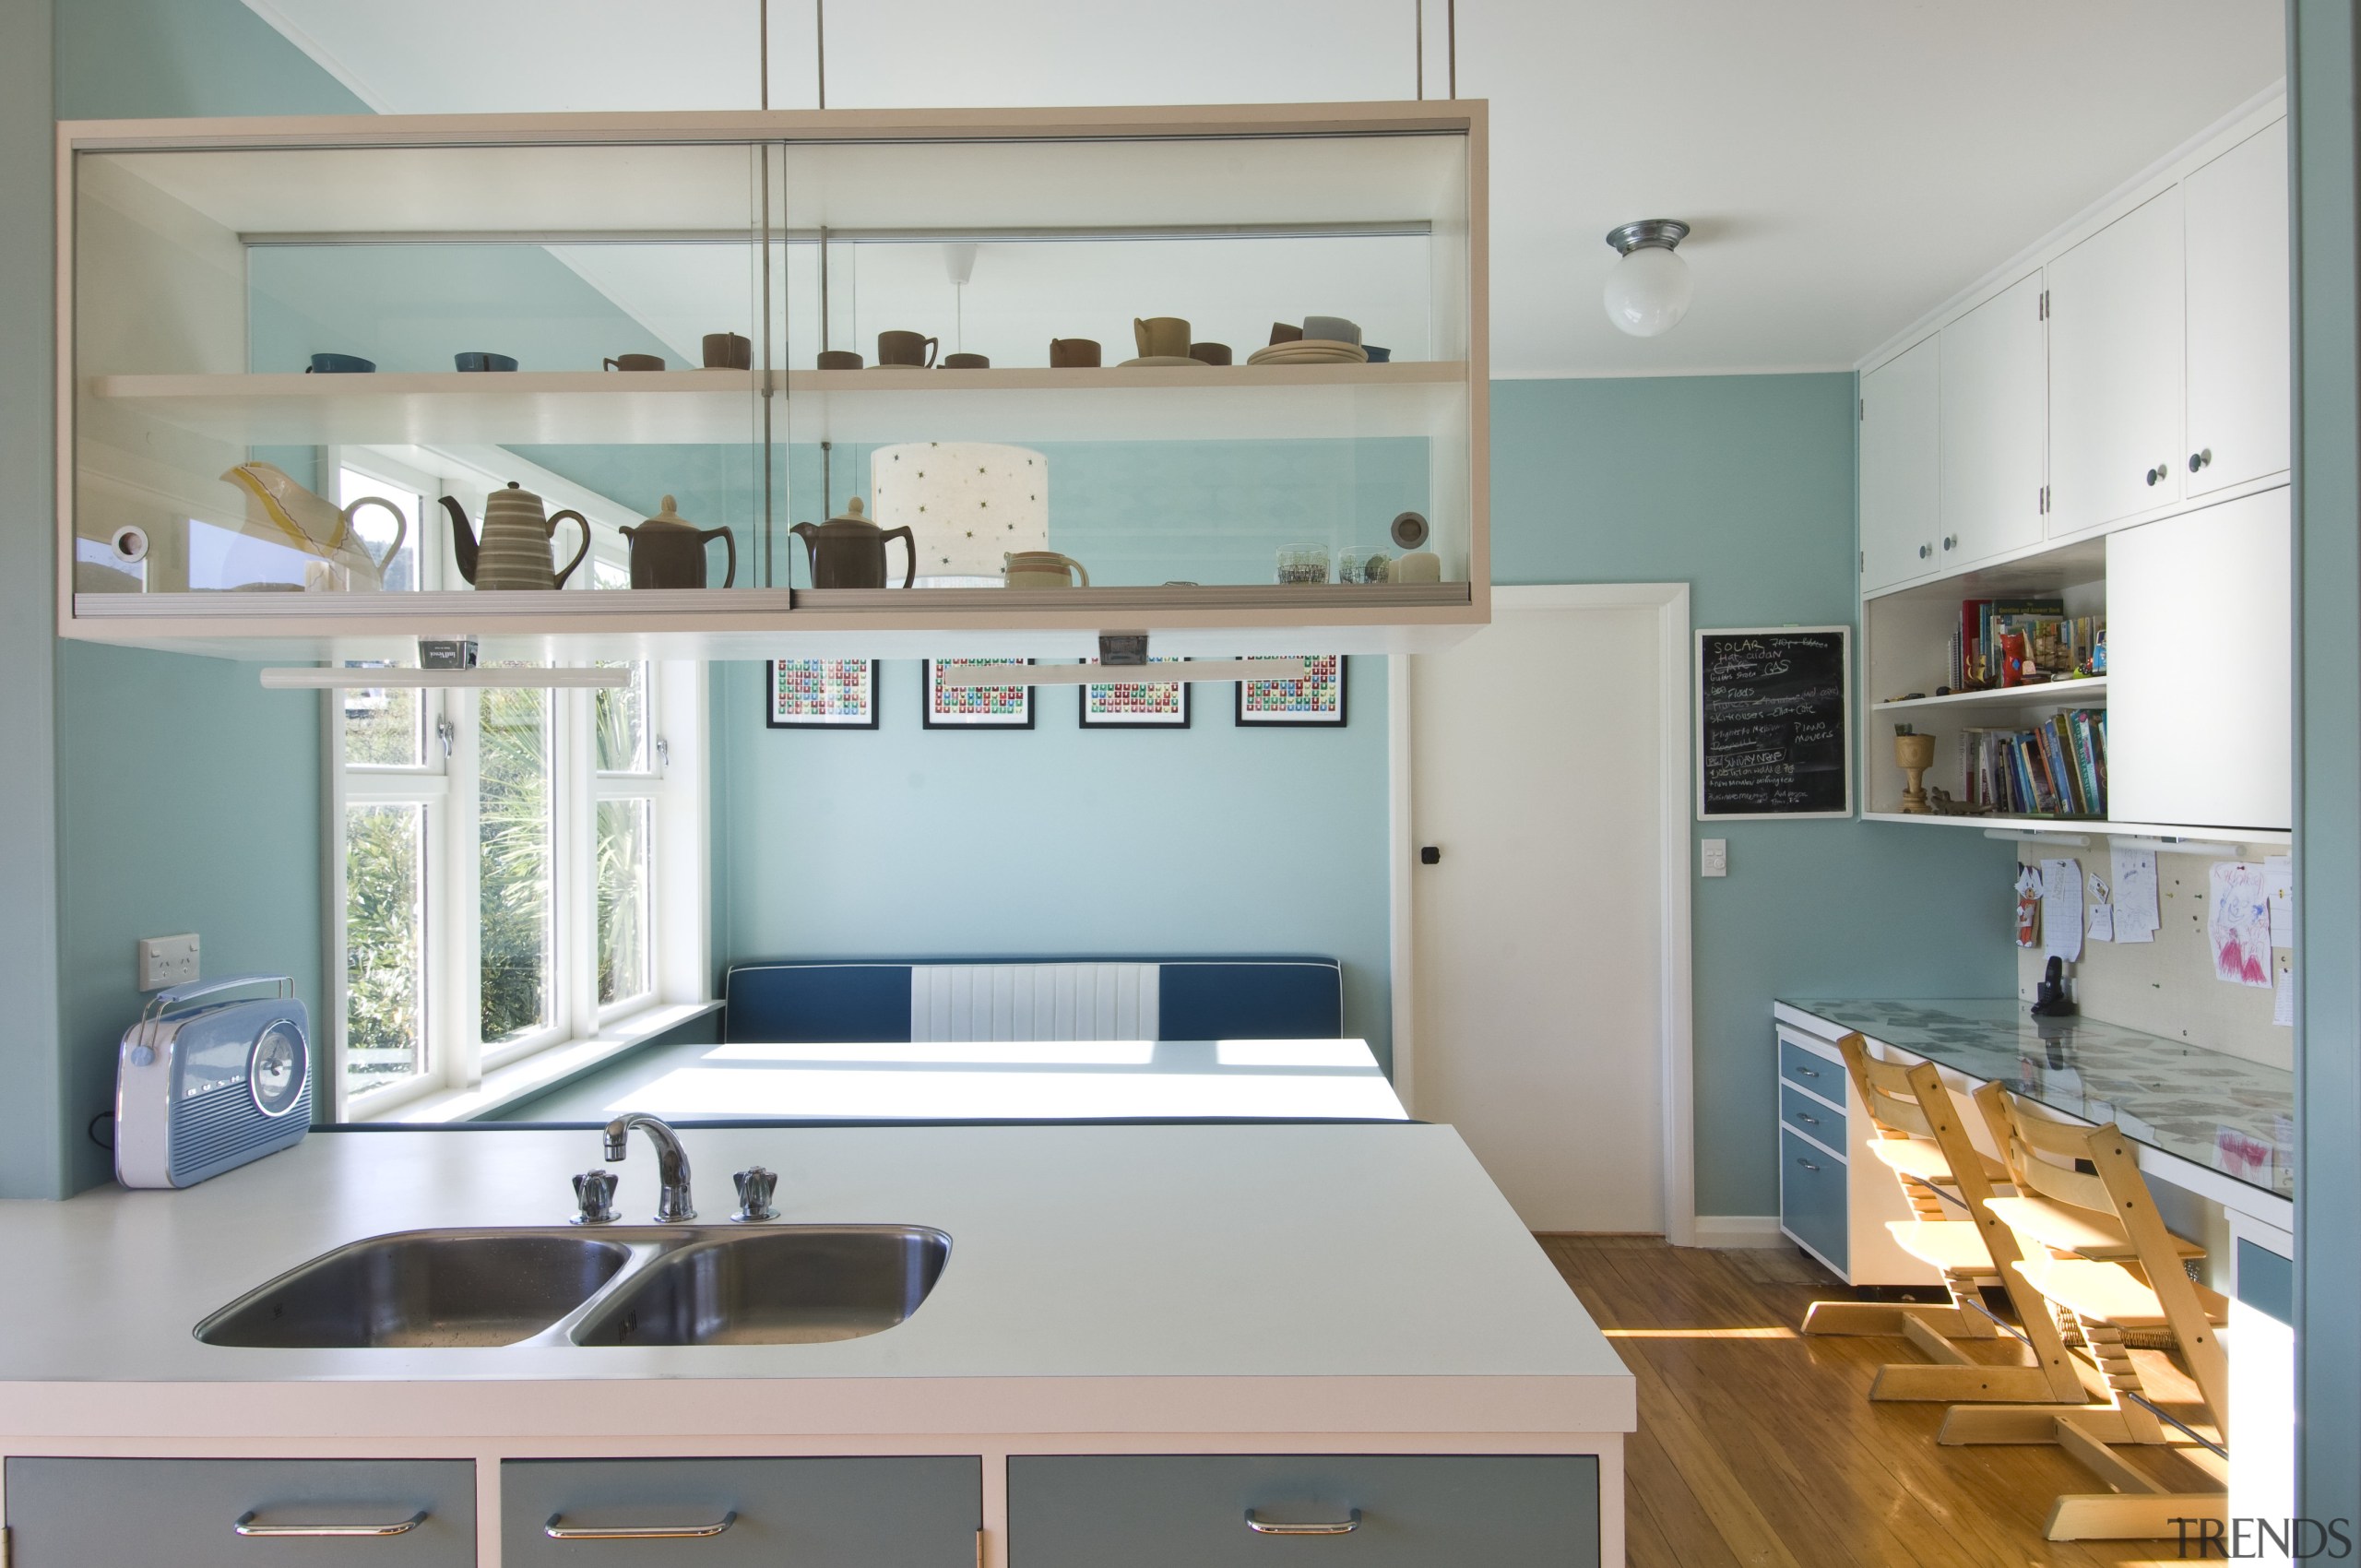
[2232, 1115]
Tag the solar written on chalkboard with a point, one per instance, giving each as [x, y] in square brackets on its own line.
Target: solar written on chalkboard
[1774, 731]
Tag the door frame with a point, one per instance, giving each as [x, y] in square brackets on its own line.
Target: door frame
[1676, 1043]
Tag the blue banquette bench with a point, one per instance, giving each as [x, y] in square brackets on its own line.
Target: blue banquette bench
[842, 1000]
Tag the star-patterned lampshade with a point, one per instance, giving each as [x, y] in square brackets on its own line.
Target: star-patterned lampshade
[969, 502]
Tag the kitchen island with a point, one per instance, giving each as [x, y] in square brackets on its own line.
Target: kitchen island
[1326, 1292]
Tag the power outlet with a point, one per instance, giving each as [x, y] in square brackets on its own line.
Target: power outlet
[167, 960]
[1714, 857]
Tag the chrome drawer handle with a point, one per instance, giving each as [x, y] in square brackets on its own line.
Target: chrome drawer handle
[556, 1531]
[1808, 1118]
[1807, 1071]
[1807, 1165]
[246, 1527]
[1265, 1528]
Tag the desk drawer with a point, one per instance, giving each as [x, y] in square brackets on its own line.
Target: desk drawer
[1813, 1199]
[1818, 1074]
[858, 1513]
[88, 1513]
[1191, 1511]
[1812, 1119]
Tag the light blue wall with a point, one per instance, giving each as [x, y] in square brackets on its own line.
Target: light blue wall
[1057, 841]
[185, 797]
[1742, 487]
[2321, 39]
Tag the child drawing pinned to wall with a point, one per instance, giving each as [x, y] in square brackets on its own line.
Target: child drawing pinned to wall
[2028, 906]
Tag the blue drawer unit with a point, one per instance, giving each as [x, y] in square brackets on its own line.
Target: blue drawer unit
[1375, 1511]
[1820, 1123]
[857, 1513]
[1813, 1199]
[1812, 1071]
[242, 1512]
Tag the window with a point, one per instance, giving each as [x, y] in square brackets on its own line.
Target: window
[520, 867]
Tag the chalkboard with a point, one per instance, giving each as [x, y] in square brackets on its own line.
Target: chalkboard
[1775, 736]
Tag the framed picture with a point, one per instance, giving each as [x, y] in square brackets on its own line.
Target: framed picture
[1161, 705]
[1317, 699]
[974, 708]
[821, 693]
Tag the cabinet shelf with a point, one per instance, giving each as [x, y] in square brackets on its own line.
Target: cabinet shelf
[2093, 826]
[2088, 691]
[1135, 403]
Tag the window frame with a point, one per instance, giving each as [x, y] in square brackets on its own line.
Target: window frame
[458, 1059]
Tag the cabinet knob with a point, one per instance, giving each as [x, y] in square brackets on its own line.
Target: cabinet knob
[2155, 474]
[1924, 550]
[1950, 541]
[2200, 459]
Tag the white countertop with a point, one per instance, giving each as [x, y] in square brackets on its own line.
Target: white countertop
[1223, 1278]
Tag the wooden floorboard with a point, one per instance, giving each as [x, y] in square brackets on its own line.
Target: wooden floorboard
[1760, 1448]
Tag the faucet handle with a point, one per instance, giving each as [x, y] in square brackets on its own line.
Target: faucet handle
[754, 1188]
[594, 1190]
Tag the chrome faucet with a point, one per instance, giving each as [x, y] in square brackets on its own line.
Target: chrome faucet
[672, 1203]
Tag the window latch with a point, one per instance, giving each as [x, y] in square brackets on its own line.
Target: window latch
[445, 731]
[663, 751]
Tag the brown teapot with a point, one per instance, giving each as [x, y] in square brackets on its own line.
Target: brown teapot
[849, 552]
[668, 552]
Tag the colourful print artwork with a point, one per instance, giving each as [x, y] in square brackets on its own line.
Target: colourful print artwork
[976, 708]
[1162, 705]
[822, 694]
[1317, 698]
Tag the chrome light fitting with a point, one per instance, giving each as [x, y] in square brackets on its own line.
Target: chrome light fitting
[1647, 292]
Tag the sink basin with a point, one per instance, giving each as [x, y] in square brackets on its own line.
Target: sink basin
[427, 1288]
[793, 1285]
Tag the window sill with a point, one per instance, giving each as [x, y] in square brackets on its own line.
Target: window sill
[543, 1070]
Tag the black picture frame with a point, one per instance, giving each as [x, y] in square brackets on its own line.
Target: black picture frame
[1244, 720]
[770, 698]
[1084, 719]
[926, 702]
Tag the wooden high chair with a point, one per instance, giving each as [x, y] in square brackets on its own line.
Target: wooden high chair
[2132, 1285]
[1921, 1139]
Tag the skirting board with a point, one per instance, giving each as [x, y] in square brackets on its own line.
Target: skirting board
[1737, 1230]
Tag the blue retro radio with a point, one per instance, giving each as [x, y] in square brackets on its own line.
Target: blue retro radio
[199, 1090]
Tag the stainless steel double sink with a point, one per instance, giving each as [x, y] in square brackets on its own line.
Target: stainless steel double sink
[615, 1285]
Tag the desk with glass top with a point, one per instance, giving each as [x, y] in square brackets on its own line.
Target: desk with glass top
[2216, 1124]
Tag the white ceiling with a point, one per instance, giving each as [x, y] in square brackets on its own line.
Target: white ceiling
[1846, 164]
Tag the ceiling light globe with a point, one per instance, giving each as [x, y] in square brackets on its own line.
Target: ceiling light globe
[1647, 291]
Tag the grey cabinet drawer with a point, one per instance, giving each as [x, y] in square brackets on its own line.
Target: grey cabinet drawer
[112, 1512]
[1810, 1117]
[1812, 1199]
[1190, 1511]
[887, 1513]
[1806, 1070]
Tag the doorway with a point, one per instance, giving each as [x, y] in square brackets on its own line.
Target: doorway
[1548, 772]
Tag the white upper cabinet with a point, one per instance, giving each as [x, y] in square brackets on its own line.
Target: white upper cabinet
[1902, 467]
[2116, 314]
[2236, 218]
[2199, 667]
[1995, 426]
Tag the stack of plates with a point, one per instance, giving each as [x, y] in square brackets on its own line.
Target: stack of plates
[1310, 350]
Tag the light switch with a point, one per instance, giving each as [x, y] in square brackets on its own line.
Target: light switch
[167, 960]
[1714, 857]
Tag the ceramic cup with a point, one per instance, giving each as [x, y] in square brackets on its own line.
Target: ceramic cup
[905, 349]
[635, 361]
[1073, 353]
[728, 351]
[1210, 354]
[1161, 338]
[1377, 355]
[1331, 329]
[1282, 333]
[1042, 568]
[341, 364]
[481, 360]
[966, 361]
[839, 359]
